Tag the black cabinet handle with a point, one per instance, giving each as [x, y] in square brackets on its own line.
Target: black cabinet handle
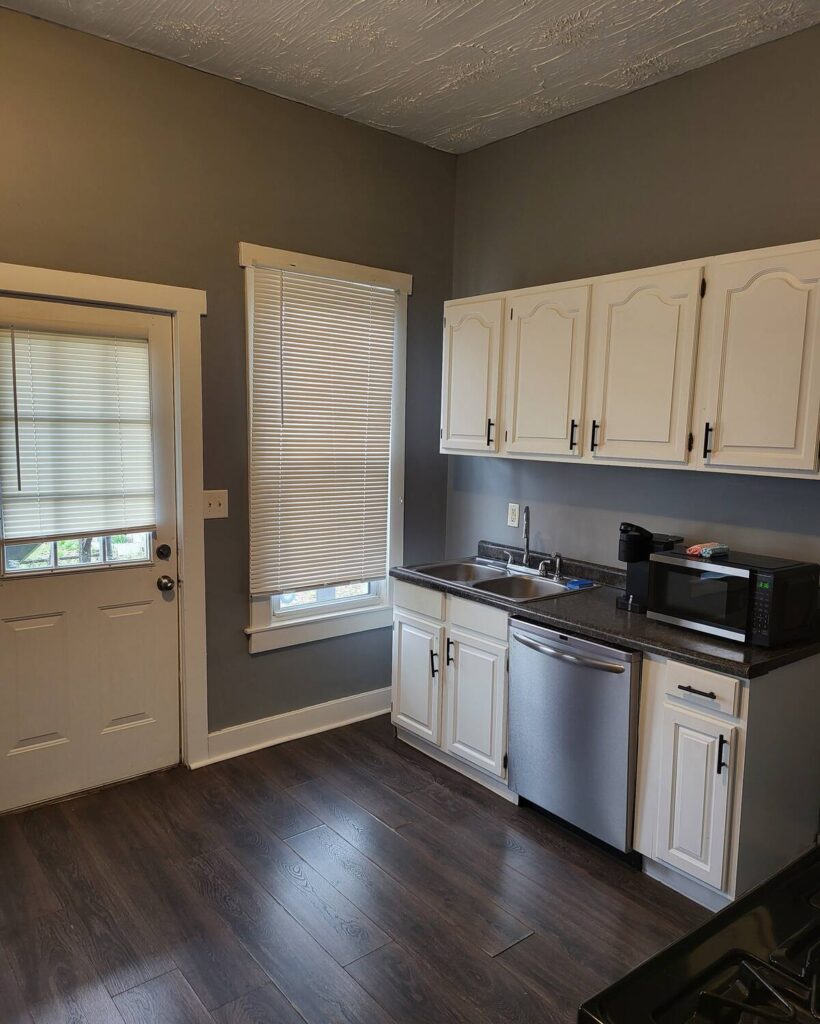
[573, 427]
[490, 426]
[593, 441]
[720, 762]
[433, 669]
[449, 659]
[700, 693]
[707, 451]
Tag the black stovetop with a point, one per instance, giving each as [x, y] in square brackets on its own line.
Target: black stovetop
[755, 962]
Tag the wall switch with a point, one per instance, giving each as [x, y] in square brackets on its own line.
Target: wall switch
[216, 504]
[512, 514]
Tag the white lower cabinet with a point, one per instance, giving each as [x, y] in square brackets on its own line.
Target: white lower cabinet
[417, 644]
[475, 715]
[693, 811]
[728, 775]
[450, 677]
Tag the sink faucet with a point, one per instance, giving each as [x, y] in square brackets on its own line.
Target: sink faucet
[526, 561]
[556, 561]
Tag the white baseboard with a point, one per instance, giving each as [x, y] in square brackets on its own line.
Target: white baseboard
[265, 732]
[705, 895]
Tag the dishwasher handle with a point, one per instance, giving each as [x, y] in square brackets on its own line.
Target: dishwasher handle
[601, 666]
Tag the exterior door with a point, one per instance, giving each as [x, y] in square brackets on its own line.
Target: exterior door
[693, 810]
[470, 378]
[545, 348]
[642, 362]
[762, 319]
[89, 654]
[417, 645]
[476, 701]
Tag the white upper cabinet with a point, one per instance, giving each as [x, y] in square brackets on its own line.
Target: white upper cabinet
[545, 342]
[471, 375]
[761, 360]
[641, 365]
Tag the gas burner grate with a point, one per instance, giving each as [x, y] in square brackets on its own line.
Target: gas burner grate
[750, 995]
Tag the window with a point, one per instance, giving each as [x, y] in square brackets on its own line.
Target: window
[76, 461]
[326, 373]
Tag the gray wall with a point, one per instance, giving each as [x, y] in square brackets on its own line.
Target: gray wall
[114, 162]
[720, 159]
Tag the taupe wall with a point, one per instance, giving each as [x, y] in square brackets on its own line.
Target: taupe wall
[721, 159]
[114, 162]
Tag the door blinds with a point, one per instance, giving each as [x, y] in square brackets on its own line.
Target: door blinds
[321, 394]
[75, 436]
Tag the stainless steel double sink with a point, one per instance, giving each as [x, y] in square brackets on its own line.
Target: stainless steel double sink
[513, 583]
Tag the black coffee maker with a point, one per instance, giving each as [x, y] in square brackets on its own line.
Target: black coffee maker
[635, 545]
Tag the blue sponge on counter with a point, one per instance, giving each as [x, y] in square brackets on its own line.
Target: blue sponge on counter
[579, 584]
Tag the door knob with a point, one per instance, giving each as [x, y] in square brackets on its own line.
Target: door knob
[165, 583]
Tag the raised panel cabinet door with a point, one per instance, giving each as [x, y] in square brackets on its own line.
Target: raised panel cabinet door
[762, 332]
[545, 345]
[693, 803]
[470, 376]
[476, 702]
[643, 334]
[417, 669]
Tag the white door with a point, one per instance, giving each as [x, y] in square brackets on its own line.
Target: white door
[545, 348]
[89, 660]
[417, 644]
[470, 377]
[762, 332]
[693, 809]
[475, 721]
[643, 334]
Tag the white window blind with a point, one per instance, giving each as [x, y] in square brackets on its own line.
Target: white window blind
[75, 435]
[321, 393]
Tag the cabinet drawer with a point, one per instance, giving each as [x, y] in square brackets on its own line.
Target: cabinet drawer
[418, 599]
[480, 618]
[705, 691]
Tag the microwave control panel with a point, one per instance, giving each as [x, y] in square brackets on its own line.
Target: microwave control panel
[761, 603]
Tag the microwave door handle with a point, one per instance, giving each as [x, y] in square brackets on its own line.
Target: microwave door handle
[602, 666]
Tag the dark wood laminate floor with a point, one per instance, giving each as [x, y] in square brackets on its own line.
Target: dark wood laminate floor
[339, 879]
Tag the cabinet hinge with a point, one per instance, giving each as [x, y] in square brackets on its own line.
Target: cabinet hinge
[505, 761]
[691, 443]
[702, 287]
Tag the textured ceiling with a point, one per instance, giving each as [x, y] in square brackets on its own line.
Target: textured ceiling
[455, 74]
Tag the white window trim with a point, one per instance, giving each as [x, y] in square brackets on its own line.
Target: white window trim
[265, 633]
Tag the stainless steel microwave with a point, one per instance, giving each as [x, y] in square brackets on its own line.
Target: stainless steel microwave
[754, 599]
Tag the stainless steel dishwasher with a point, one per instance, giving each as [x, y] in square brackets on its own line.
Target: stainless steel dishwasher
[574, 729]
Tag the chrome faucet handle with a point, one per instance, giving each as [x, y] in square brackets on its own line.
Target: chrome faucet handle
[557, 562]
[509, 555]
[542, 567]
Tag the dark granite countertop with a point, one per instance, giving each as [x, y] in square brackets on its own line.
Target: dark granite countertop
[592, 614]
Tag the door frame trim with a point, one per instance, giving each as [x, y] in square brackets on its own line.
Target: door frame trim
[185, 306]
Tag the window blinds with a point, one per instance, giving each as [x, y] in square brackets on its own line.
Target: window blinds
[321, 393]
[75, 435]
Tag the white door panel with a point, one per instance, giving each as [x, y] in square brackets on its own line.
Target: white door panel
[762, 332]
[89, 656]
[642, 362]
[545, 345]
[471, 371]
[693, 827]
[417, 644]
[476, 701]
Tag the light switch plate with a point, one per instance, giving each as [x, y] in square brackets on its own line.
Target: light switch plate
[216, 504]
[512, 514]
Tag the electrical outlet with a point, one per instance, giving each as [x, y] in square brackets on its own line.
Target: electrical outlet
[512, 514]
[216, 504]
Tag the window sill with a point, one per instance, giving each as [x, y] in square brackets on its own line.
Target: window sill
[317, 627]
